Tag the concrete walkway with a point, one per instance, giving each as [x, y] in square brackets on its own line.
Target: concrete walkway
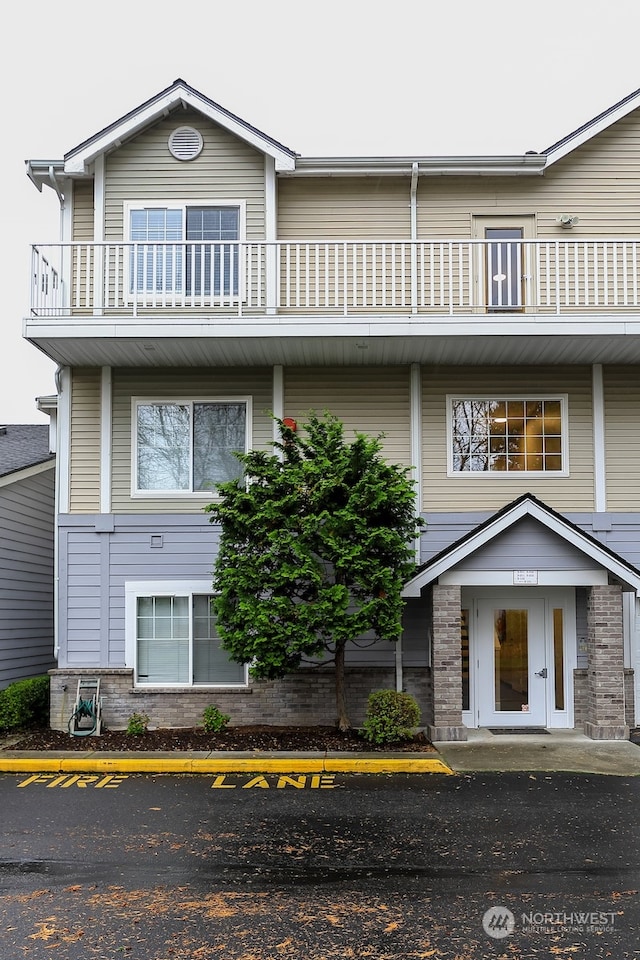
[558, 750]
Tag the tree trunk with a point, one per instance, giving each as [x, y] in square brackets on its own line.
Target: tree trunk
[343, 722]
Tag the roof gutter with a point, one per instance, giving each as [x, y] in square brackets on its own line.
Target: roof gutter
[528, 164]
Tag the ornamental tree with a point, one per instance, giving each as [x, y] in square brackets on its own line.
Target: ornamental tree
[316, 544]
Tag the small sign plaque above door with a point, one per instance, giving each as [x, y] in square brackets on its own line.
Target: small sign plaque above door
[525, 576]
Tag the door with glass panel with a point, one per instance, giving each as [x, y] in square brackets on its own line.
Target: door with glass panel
[512, 663]
[504, 263]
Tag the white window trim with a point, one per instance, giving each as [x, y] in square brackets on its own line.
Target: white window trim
[166, 588]
[511, 475]
[187, 401]
[129, 205]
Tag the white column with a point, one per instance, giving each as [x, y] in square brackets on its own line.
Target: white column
[599, 453]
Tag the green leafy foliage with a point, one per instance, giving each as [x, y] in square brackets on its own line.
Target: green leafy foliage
[25, 703]
[315, 547]
[138, 724]
[213, 720]
[391, 716]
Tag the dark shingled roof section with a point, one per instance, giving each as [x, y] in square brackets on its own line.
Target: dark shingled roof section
[23, 445]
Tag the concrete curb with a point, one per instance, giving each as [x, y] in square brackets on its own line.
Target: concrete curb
[218, 764]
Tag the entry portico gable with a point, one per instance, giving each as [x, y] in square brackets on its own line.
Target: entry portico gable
[527, 626]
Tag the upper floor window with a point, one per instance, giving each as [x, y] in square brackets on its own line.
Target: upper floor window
[507, 435]
[186, 446]
[190, 249]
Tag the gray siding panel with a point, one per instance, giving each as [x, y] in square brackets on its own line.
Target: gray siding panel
[527, 544]
[99, 565]
[26, 577]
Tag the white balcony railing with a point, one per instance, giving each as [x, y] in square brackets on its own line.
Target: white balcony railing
[336, 277]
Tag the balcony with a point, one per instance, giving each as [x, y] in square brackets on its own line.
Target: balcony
[408, 293]
[339, 277]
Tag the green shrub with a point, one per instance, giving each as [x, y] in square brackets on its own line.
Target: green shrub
[391, 716]
[138, 724]
[25, 703]
[213, 720]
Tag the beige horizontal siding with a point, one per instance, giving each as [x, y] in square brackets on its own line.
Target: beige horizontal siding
[84, 488]
[492, 491]
[346, 209]
[194, 384]
[143, 169]
[371, 400]
[598, 182]
[622, 433]
[82, 210]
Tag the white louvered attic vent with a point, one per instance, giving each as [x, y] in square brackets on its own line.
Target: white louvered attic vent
[185, 143]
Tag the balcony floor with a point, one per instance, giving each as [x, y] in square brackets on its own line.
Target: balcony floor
[330, 340]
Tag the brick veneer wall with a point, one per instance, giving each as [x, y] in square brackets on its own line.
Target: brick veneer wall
[605, 713]
[306, 697]
[580, 695]
[446, 665]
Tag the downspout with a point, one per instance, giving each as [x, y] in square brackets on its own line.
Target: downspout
[56, 526]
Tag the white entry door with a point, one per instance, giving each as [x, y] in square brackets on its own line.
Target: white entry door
[512, 667]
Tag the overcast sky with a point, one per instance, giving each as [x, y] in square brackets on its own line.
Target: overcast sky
[337, 77]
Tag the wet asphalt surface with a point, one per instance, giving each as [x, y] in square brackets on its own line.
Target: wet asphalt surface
[245, 867]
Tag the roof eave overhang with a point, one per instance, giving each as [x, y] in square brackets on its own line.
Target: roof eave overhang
[78, 160]
[487, 532]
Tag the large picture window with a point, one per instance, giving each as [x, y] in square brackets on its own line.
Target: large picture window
[172, 639]
[185, 249]
[187, 446]
[507, 435]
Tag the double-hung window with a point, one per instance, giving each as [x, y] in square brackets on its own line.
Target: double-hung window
[186, 446]
[172, 637]
[507, 435]
[189, 250]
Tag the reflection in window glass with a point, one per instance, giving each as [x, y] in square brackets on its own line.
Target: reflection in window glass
[558, 658]
[189, 446]
[506, 436]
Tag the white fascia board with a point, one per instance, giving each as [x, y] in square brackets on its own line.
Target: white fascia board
[504, 578]
[78, 160]
[525, 508]
[18, 475]
[593, 129]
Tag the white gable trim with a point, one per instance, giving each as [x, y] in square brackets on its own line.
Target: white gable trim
[77, 161]
[592, 129]
[19, 475]
[525, 508]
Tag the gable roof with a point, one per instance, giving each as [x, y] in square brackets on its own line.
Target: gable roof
[526, 505]
[23, 445]
[77, 162]
[591, 128]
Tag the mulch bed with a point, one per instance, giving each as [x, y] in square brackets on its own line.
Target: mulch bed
[246, 738]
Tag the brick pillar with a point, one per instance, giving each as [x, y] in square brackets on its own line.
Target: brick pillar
[446, 666]
[605, 718]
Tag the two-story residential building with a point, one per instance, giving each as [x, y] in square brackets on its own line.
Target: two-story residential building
[481, 312]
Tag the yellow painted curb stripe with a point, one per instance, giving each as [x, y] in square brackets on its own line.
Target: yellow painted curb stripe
[222, 765]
